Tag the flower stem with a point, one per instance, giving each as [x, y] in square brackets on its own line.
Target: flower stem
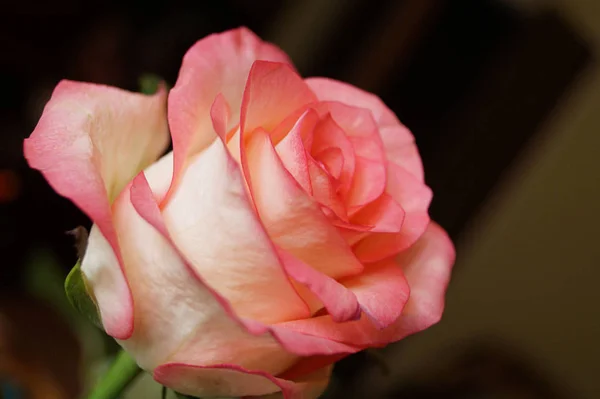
[123, 370]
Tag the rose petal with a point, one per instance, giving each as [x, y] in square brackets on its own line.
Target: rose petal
[368, 184]
[273, 92]
[414, 197]
[397, 139]
[340, 302]
[328, 134]
[427, 266]
[291, 149]
[188, 321]
[217, 64]
[89, 143]
[218, 380]
[325, 189]
[383, 215]
[292, 219]
[213, 224]
[382, 292]
[334, 90]
[400, 152]
[360, 128]
[233, 380]
[220, 114]
[333, 161]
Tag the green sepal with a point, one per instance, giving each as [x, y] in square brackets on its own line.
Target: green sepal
[149, 83]
[80, 296]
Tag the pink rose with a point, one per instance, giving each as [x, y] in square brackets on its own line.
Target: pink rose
[287, 229]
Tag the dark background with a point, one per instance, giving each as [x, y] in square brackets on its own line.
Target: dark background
[473, 79]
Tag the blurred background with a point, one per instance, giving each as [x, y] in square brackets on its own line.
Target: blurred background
[503, 98]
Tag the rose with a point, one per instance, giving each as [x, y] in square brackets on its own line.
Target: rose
[287, 229]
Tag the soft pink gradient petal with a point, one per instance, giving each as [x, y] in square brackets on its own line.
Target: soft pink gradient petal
[397, 139]
[384, 215]
[358, 125]
[219, 380]
[427, 266]
[292, 219]
[213, 224]
[89, 143]
[217, 64]
[273, 92]
[368, 184]
[328, 134]
[360, 128]
[334, 90]
[414, 197]
[333, 161]
[325, 188]
[199, 337]
[340, 302]
[401, 153]
[188, 322]
[382, 292]
[232, 380]
[220, 114]
[291, 149]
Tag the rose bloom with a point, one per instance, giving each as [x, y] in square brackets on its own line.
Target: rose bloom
[288, 227]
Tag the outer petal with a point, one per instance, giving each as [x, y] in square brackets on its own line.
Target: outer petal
[213, 224]
[221, 380]
[397, 139]
[414, 197]
[382, 293]
[187, 322]
[231, 380]
[292, 219]
[427, 266]
[217, 64]
[89, 143]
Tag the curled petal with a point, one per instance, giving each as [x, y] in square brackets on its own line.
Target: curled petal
[382, 292]
[273, 92]
[368, 183]
[216, 65]
[293, 220]
[384, 215]
[292, 152]
[188, 322]
[328, 134]
[211, 220]
[89, 143]
[414, 197]
[334, 90]
[325, 189]
[339, 301]
[397, 139]
[427, 266]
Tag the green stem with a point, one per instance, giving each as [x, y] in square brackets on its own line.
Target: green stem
[120, 374]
